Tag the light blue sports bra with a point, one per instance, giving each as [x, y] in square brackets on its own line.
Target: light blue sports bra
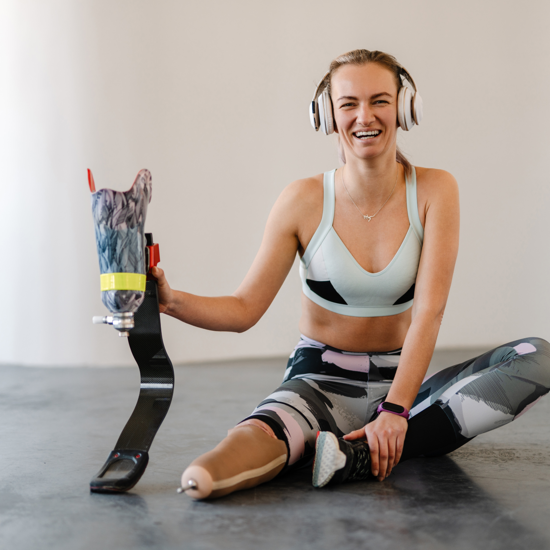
[332, 278]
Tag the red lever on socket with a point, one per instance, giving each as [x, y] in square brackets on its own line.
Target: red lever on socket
[154, 256]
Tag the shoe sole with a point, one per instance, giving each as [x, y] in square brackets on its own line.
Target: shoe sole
[328, 459]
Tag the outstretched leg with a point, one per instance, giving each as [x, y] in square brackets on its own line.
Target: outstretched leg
[248, 456]
[452, 407]
[461, 402]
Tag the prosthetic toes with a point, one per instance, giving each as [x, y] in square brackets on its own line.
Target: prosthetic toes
[338, 460]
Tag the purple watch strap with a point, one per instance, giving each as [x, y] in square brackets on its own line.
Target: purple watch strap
[381, 408]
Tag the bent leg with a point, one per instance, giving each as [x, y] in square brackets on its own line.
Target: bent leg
[301, 407]
[280, 432]
[247, 457]
[477, 396]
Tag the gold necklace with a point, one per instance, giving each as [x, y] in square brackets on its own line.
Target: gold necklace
[366, 216]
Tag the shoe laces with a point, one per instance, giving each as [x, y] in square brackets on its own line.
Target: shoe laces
[361, 461]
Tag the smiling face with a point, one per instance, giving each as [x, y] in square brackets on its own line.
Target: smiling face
[364, 99]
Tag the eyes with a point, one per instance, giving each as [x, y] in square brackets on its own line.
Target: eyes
[351, 104]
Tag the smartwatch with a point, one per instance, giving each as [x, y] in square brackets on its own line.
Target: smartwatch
[388, 407]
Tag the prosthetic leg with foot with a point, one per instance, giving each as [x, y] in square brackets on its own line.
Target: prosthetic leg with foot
[126, 255]
[247, 457]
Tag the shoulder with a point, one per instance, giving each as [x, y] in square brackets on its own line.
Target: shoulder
[304, 191]
[433, 182]
[298, 202]
[303, 195]
[436, 188]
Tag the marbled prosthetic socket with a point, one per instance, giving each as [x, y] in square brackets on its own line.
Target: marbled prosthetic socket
[119, 220]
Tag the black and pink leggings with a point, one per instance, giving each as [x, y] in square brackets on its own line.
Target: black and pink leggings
[326, 389]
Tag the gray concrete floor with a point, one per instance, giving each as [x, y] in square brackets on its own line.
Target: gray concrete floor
[58, 425]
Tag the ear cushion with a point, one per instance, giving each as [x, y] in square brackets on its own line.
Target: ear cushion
[417, 108]
[314, 115]
[404, 110]
[326, 119]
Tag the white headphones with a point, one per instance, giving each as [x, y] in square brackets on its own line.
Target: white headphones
[409, 105]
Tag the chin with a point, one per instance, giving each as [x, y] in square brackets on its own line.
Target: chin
[367, 154]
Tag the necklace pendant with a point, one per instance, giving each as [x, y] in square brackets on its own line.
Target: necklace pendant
[368, 218]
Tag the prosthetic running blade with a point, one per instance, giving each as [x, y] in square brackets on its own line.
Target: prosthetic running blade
[126, 255]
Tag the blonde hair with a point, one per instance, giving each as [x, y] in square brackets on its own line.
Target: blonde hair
[362, 57]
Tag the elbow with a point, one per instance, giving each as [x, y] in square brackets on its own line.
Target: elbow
[244, 326]
[244, 322]
[246, 317]
[433, 314]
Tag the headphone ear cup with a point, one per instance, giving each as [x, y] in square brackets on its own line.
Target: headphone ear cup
[314, 115]
[400, 117]
[404, 114]
[326, 119]
[417, 108]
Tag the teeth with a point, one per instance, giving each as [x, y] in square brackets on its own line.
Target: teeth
[372, 133]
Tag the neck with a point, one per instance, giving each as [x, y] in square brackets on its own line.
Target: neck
[372, 179]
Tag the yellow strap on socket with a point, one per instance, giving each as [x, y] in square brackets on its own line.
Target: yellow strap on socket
[123, 281]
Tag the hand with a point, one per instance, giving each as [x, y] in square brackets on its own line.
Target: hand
[385, 437]
[164, 290]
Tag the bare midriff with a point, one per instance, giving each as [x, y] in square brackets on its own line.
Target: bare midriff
[359, 334]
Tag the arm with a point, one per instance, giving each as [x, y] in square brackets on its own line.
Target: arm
[386, 434]
[243, 309]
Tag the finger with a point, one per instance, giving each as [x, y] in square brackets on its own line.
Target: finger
[356, 434]
[157, 272]
[398, 449]
[391, 455]
[383, 454]
[374, 457]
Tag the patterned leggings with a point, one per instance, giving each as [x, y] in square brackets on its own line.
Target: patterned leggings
[326, 389]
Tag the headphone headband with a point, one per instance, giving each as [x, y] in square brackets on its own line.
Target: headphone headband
[403, 73]
[320, 88]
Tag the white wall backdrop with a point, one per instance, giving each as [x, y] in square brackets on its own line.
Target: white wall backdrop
[211, 97]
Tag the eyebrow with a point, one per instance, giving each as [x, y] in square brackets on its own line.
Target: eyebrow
[372, 97]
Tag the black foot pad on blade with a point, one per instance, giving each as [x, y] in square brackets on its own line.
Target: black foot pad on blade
[128, 461]
[121, 472]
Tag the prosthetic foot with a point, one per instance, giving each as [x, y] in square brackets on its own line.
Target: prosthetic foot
[126, 255]
[247, 457]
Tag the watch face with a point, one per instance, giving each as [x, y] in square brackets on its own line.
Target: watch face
[393, 408]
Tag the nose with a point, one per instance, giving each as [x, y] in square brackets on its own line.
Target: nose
[365, 114]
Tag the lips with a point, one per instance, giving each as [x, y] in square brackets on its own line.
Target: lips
[369, 134]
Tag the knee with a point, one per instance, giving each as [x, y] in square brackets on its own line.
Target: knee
[543, 352]
[540, 343]
[533, 360]
[255, 422]
[534, 345]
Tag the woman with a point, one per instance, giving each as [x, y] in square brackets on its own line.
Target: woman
[372, 235]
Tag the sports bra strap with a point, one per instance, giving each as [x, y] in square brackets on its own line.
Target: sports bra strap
[412, 206]
[328, 213]
[327, 219]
